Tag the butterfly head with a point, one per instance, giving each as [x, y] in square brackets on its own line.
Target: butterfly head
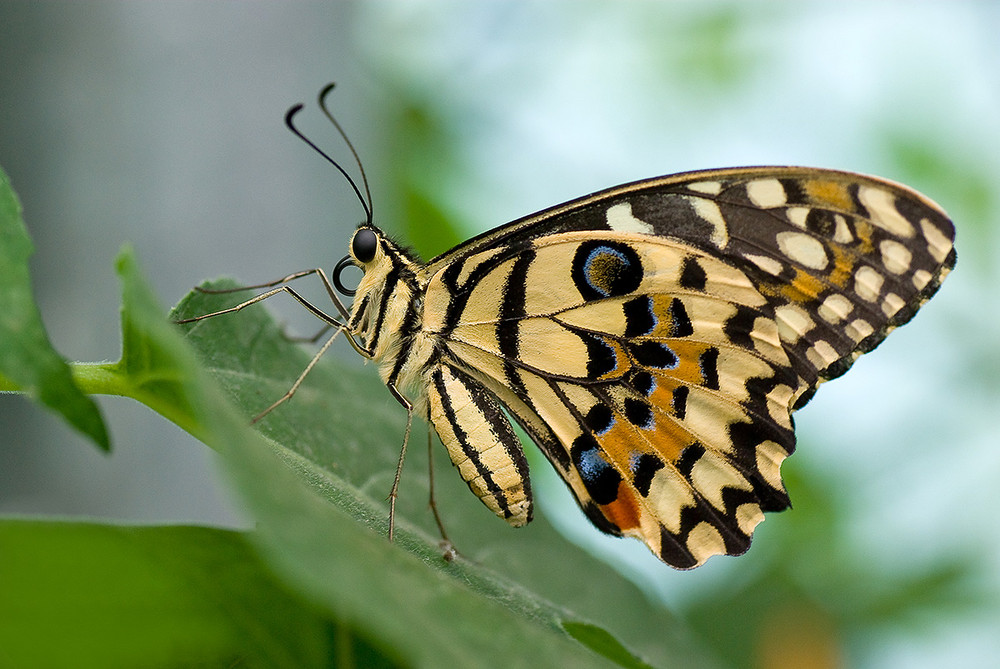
[390, 276]
[365, 252]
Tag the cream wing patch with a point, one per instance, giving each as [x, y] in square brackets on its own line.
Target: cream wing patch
[620, 219]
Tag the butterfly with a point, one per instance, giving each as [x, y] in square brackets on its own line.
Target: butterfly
[652, 339]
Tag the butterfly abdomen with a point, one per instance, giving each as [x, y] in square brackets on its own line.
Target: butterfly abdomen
[480, 441]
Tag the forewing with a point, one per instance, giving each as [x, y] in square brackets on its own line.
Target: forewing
[842, 258]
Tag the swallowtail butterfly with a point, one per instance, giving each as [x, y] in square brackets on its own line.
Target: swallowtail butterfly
[652, 339]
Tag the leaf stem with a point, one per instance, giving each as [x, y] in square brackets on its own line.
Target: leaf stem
[93, 378]
[100, 378]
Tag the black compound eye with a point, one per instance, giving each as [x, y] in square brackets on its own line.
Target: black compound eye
[364, 245]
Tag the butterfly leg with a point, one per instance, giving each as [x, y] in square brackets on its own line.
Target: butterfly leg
[448, 549]
[298, 382]
[330, 321]
[314, 310]
[278, 282]
[256, 286]
[307, 340]
[281, 288]
[402, 454]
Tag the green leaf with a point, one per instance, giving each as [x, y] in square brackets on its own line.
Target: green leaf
[88, 595]
[28, 363]
[601, 642]
[315, 478]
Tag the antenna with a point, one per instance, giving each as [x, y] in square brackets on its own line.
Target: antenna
[290, 114]
[361, 168]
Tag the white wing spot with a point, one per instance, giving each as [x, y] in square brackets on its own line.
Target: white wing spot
[921, 278]
[937, 244]
[748, 516]
[892, 303]
[822, 354]
[669, 493]
[766, 263]
[835, 308]
[769, 457]
[767, 193]
[710, 211]
[803, 249]
[895, 256]
[778, 401]
[793, 322]
[797, 216]
[710, 474]
[868, 283]
[859, 329]
[707, 187]
[704, 541]
[620, 219]
[883, 212]
[842, 233]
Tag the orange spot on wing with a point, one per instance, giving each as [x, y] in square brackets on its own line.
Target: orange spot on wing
[624, 511]
[688, 369]
[843, 268]
[667, 438]
[863, 231]
[803, 287]
[830, 193]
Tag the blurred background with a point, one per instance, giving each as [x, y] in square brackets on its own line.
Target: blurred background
[160, 125]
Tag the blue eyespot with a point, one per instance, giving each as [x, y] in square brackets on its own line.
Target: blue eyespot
[592, 464]
[606, 269]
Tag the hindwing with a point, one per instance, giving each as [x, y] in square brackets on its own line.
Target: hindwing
[654, 339]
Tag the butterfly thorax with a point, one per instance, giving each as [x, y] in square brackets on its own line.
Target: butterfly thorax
[386, 316]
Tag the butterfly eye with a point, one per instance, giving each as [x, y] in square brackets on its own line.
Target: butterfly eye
[364, 245]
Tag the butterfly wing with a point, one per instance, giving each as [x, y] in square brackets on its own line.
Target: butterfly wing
[654, 339]
[662, 427]
[842, 257]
